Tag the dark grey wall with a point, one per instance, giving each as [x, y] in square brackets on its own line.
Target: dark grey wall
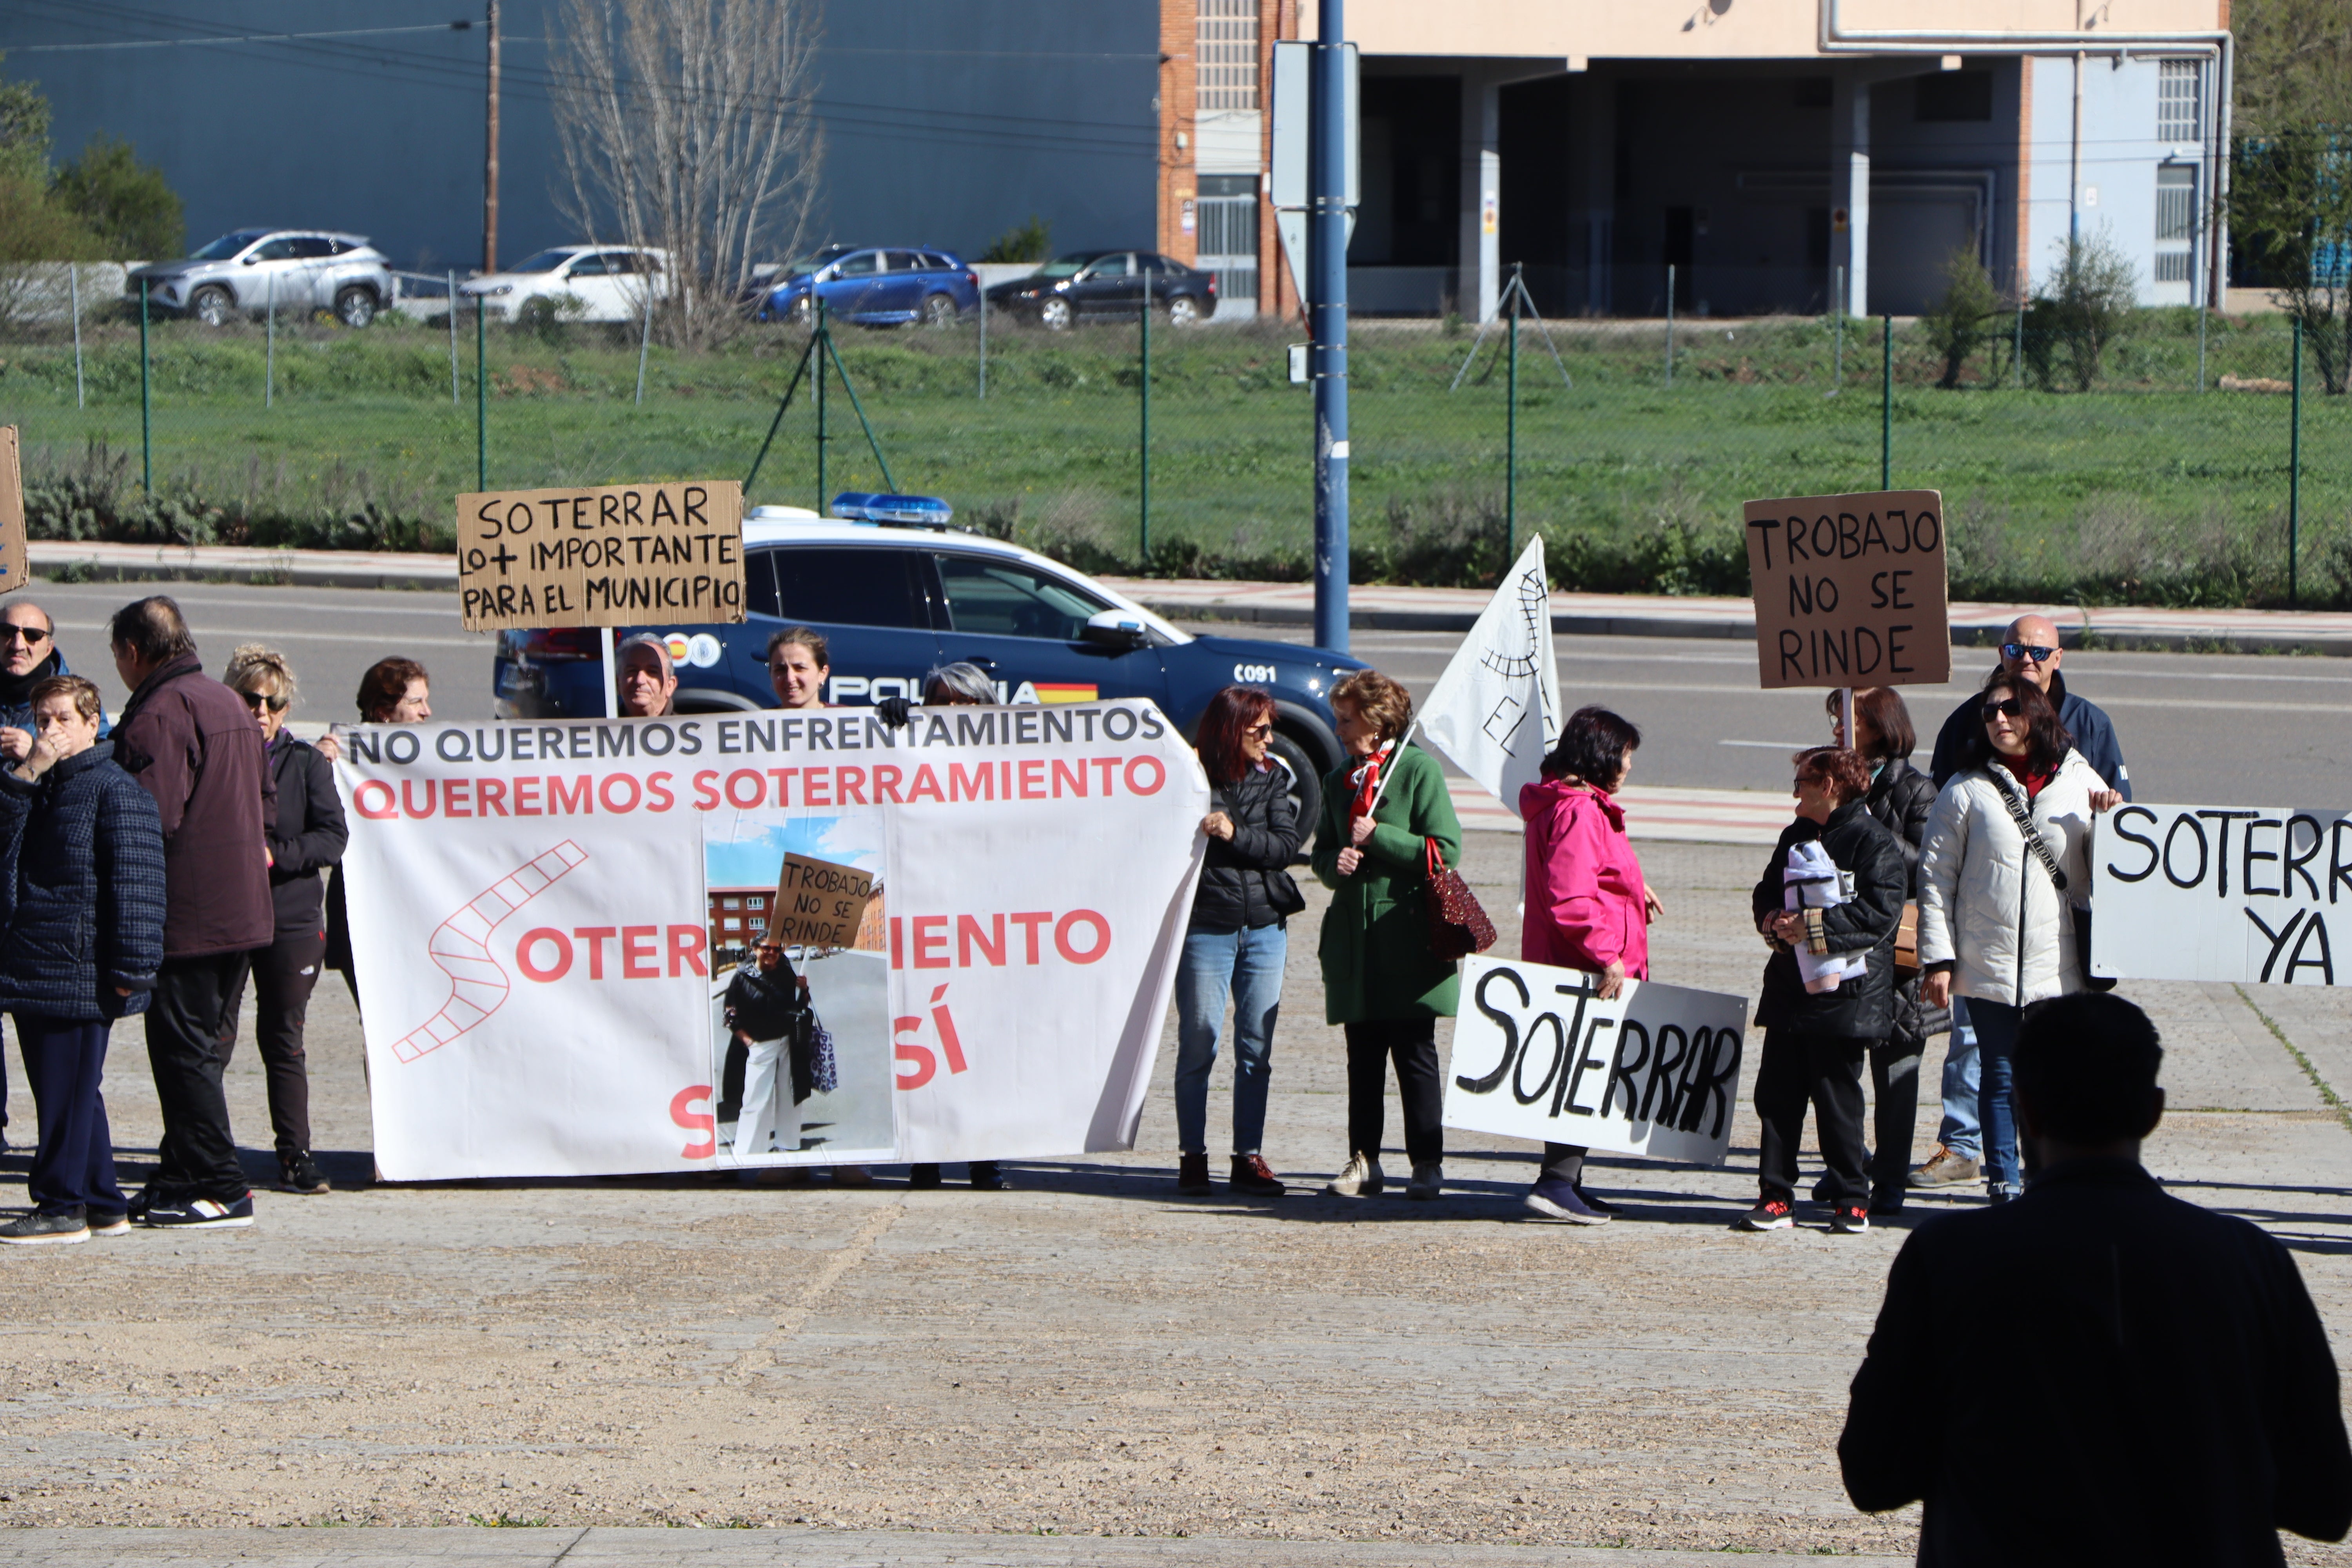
[945, 123]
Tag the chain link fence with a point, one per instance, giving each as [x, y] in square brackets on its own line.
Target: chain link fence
[2175, 463]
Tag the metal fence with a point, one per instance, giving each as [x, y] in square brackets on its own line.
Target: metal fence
[2191, 460]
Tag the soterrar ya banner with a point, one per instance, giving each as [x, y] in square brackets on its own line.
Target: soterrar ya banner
[557, 930]
[2259, 894]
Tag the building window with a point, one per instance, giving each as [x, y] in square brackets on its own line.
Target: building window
[730, 903]
[1949, 96]
[1228, 234]
[2177, 101]
[1226, 68]
[2176, 221]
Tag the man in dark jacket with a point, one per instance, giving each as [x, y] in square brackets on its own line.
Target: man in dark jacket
[1815, 1041]
[194, 744]
[2029, 651]
[2113, 1375]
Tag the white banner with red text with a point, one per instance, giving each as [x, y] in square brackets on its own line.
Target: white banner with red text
[550, 924]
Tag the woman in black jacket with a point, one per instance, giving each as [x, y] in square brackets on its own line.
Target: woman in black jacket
[310, 838]
[1815, 1037]
[1900, 797]
[82, 936]
[1238, 940]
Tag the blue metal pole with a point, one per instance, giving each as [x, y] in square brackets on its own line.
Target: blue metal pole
[1326, 297]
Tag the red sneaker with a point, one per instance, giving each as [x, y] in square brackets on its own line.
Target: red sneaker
[1771, 1214]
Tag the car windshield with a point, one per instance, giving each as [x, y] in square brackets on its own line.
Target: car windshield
[227, 245]
[545, 261]
[1064, 267]
[801, 265]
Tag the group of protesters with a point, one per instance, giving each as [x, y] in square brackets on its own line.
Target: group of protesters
[1987, 848]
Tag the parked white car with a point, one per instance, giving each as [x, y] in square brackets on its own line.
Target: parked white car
[249, 271]
[609, 282]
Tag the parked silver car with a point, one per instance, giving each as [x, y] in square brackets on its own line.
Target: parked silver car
[250, 270]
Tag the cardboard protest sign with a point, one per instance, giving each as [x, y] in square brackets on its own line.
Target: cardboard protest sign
[2221, 893]
[15, 569]
[1538, 1054]
[538, 918]
[1850, 590]
[819, 903]
[613, 556]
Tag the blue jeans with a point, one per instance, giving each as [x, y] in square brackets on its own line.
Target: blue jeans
[1996, 1024]
[1962, 1130]
[1247, 965]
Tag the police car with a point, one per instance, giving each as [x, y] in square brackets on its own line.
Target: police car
[894, 601]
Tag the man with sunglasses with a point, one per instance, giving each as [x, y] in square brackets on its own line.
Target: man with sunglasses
[2029, 651]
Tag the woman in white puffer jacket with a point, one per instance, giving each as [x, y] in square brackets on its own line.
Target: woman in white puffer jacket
[1995, 926]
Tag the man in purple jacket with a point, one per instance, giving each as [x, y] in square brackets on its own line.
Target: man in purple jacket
[194, 745]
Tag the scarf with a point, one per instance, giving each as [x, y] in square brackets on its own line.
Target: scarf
[1366, 778]
[17, 689]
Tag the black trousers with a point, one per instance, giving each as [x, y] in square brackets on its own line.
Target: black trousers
[191, 1025]
[1895, 1112]
[1412, 1044]
[730, 1079]
[1824, 1071]
[284, 974]
[73, 1163]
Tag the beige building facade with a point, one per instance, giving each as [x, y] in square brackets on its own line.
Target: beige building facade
[1764, 155]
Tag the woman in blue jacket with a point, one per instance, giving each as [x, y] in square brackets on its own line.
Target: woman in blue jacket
[81, 935]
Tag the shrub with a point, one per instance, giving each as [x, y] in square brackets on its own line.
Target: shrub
[126, 203]
[1961, 321]
[1030, 241]
[2085, 304]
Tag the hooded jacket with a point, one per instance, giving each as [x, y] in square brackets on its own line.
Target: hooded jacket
[1986, 906]
[1863, 1008]
[82, 890]
[1232, 894]
[1585, 907]
[197, 749]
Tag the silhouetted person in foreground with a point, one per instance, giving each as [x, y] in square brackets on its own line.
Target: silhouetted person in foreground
[2097, 1372]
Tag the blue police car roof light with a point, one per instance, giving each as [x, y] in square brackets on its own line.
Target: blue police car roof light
[866, 506]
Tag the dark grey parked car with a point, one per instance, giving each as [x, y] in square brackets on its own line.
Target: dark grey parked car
[297, 270]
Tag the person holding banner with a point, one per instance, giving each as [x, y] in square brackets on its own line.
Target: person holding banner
[394, 690]
[798, 667]
[1819, 1027]
[2008, 853]
[82, 940]
[1386, 813]
[308, 836]
[1900, 797]
[1238, 938]
[1586, 905]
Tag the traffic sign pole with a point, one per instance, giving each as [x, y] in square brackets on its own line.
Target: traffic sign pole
[1326, 253]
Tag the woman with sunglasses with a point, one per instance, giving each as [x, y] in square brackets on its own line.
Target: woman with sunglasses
[308, 837]
[1238, 940]
[2005, 865]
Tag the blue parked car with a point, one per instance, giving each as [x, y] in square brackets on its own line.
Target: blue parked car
[874, 287]
[894, 602]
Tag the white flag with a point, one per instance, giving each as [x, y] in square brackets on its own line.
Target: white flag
[1495, 712]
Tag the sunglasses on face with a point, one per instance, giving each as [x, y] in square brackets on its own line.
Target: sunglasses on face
[34, 635]
[258, 700]
[1255, 731]
[2013, 651]
[2008, 708]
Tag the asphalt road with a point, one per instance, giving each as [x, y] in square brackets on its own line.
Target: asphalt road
[2195, 727]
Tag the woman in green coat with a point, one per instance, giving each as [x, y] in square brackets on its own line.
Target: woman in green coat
[1380, 981]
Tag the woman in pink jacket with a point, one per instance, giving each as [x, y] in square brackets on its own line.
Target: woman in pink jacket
[1587, 907]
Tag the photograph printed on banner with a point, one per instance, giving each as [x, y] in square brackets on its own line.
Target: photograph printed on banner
[800, 1053]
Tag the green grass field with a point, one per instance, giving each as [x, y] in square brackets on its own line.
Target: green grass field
[2141, 490]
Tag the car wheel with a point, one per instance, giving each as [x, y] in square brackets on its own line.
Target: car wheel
[1306, 782]
[1183, 311]
[939, 310]
[1056, 315]
[354, 306]
[211, 306]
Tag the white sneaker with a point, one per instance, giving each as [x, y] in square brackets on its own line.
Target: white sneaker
[1426, 1177]
[1362, 1179]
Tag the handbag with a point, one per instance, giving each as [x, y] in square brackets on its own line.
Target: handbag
[1282, 893]
[2024, 821]
[1458, 926]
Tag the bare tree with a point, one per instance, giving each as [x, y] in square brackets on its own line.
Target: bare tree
[686, 126]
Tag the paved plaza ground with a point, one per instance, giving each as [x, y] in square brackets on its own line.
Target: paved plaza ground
[952, 1376]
